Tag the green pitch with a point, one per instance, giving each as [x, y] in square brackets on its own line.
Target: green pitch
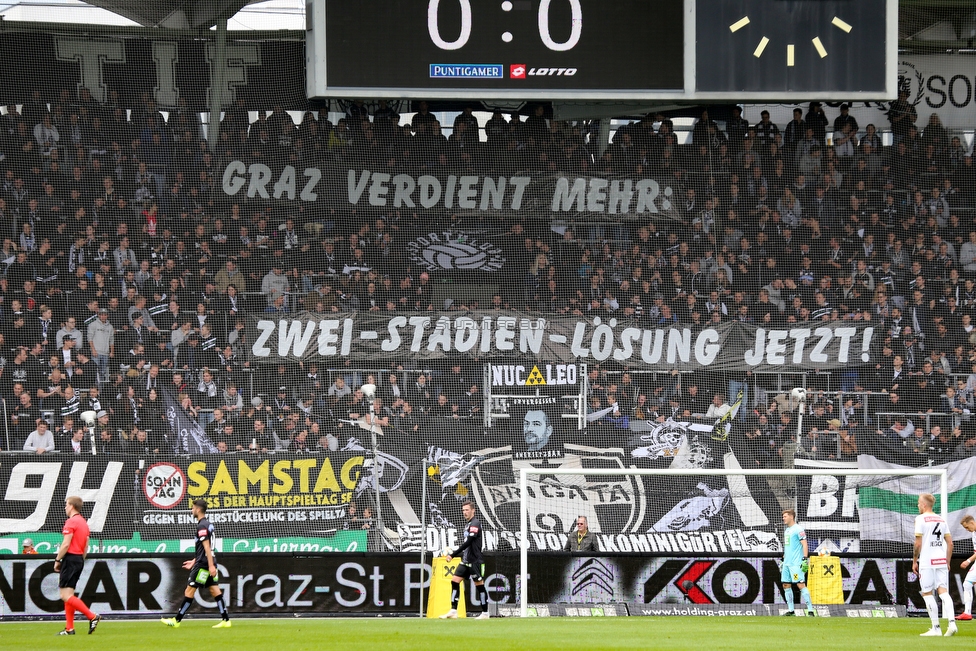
[557, 634]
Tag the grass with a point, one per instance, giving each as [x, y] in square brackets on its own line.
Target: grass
[747, 633]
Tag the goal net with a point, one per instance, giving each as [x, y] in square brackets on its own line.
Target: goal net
[704, 513]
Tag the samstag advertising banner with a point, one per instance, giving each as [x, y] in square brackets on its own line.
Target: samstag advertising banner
[250, 493]
[732, 346]
[344, 584]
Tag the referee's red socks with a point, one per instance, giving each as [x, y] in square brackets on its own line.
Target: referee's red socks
[69, 616]
[73, 604]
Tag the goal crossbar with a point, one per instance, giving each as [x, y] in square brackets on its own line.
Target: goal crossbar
[524, 474]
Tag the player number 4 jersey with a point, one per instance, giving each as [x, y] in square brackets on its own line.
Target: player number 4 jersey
[933, 531]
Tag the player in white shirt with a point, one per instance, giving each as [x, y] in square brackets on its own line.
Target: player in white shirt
[969, 524]
[930, 561]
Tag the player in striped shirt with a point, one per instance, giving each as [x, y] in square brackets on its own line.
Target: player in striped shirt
[203, 570]
[930, 561]
[969, 524]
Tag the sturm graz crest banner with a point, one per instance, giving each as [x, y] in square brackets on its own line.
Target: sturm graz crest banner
[655, 513]
[465, 251]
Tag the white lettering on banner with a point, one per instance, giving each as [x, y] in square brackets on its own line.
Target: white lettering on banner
[467, 192]
[590, 195]
[558, 338]
[823, 497]
[549, 72]
[238, 57]
[91, 55]
[101, 496]
[18, 491]
[702, 542]
[772, 346]
[166, 57]
[511, 375]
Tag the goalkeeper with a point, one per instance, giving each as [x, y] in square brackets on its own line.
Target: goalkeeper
[472, 564]
[795, 563]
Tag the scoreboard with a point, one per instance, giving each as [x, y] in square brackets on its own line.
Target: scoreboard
[602, 49]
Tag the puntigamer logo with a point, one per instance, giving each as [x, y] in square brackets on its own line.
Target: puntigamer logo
[466, 71]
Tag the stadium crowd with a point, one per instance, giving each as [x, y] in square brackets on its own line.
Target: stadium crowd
[128, 271]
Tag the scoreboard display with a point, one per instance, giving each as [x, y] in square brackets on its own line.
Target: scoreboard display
[602, 49]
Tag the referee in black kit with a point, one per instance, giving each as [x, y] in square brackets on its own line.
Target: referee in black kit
[472, 564]
[203, 570]
[582, 540]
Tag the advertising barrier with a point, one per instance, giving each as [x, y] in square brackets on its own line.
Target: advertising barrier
[317, 584]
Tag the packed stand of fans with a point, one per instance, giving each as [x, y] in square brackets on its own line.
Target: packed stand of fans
[128, 272]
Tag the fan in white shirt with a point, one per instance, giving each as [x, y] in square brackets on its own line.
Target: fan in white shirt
[40, 440]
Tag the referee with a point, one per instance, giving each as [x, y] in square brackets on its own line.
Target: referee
[69, 562]
[472, 564]
[203, 570]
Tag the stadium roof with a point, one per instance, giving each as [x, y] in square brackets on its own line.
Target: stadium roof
[170, 14]
[929, 24]
[178, 14]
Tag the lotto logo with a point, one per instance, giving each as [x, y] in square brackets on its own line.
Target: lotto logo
[517, 71]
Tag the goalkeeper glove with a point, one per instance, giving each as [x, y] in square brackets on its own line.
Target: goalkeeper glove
[805, 565]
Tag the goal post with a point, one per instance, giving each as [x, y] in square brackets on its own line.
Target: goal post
[525, 473]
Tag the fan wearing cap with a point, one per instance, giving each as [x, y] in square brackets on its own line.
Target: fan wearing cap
[283, 404]
[257, 408]
[27, 547]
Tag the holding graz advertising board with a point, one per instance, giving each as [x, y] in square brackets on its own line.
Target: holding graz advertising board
[279, 584]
